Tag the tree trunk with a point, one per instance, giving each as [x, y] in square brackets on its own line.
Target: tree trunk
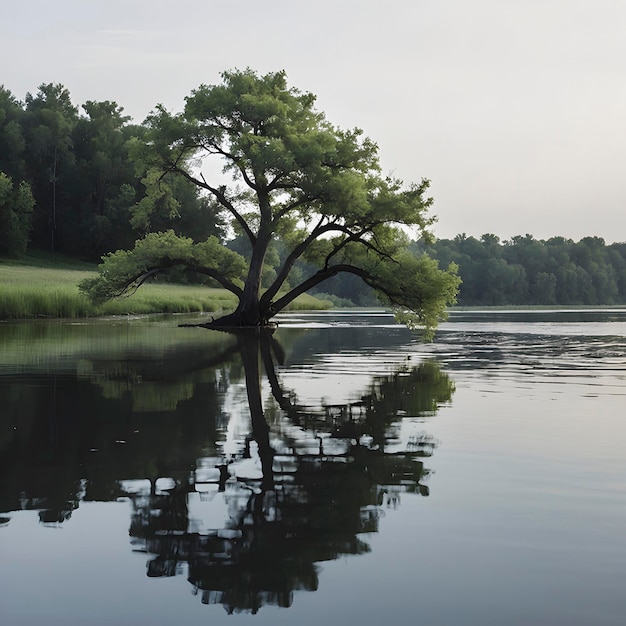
[249, 311]
[249, 345]
[247, 314]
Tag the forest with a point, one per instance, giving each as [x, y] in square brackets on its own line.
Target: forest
[75, 180]
[529, 271]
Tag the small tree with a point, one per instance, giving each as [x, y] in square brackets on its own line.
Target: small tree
[294, 177]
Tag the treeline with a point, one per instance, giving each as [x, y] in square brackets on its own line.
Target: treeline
[525, 270]
[74, 180]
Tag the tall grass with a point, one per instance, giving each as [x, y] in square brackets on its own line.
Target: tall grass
[29, 290]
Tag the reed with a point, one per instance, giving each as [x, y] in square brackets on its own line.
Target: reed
[29, 291]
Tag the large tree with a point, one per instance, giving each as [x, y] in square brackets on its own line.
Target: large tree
[288, 174]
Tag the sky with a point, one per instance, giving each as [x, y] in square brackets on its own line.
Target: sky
[514, 109]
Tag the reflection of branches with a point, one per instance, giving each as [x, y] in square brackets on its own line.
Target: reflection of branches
[267, 345]
[406, 392]
[309, 504]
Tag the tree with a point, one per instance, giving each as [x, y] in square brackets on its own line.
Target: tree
[16, 206]
[12, 143]
[287, 174]
[104, 184]
[49, 119]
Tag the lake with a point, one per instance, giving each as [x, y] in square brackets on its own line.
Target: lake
[336, 470]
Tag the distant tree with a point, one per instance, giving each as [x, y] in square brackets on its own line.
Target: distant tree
[103, 185]
[16, 206]
[12, 142]
[49, 120]
[295, 178]
[525, 270]
[543, 288]
[616, 255]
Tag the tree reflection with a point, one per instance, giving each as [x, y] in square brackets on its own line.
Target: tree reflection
[233, 480]
[306, 500]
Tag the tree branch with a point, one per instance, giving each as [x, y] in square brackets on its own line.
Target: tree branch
[140, 278]
[319, 230]
[357, 238]
[295, 254]
[294, 205]
[395, 298]
[213, 148]
[220, 196]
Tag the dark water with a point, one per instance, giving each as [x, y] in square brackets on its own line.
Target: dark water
[339, 470]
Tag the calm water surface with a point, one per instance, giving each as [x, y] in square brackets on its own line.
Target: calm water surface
[337, 471]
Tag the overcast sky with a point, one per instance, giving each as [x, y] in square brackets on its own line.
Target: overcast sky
[515, 109]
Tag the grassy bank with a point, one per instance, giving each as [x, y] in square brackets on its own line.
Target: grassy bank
[46, 286]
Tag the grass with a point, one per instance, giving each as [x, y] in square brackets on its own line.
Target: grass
[47, 286]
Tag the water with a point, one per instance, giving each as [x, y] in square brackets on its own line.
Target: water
[478, 479]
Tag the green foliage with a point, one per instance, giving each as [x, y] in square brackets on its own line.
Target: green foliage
[49, 118]
[416, 288]
[12, 142]
[122, 272]
[158, 200]
[430, 291]
[173, 203]
[88, 179]
[16, 206]
[527, 271]
[304, 194]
